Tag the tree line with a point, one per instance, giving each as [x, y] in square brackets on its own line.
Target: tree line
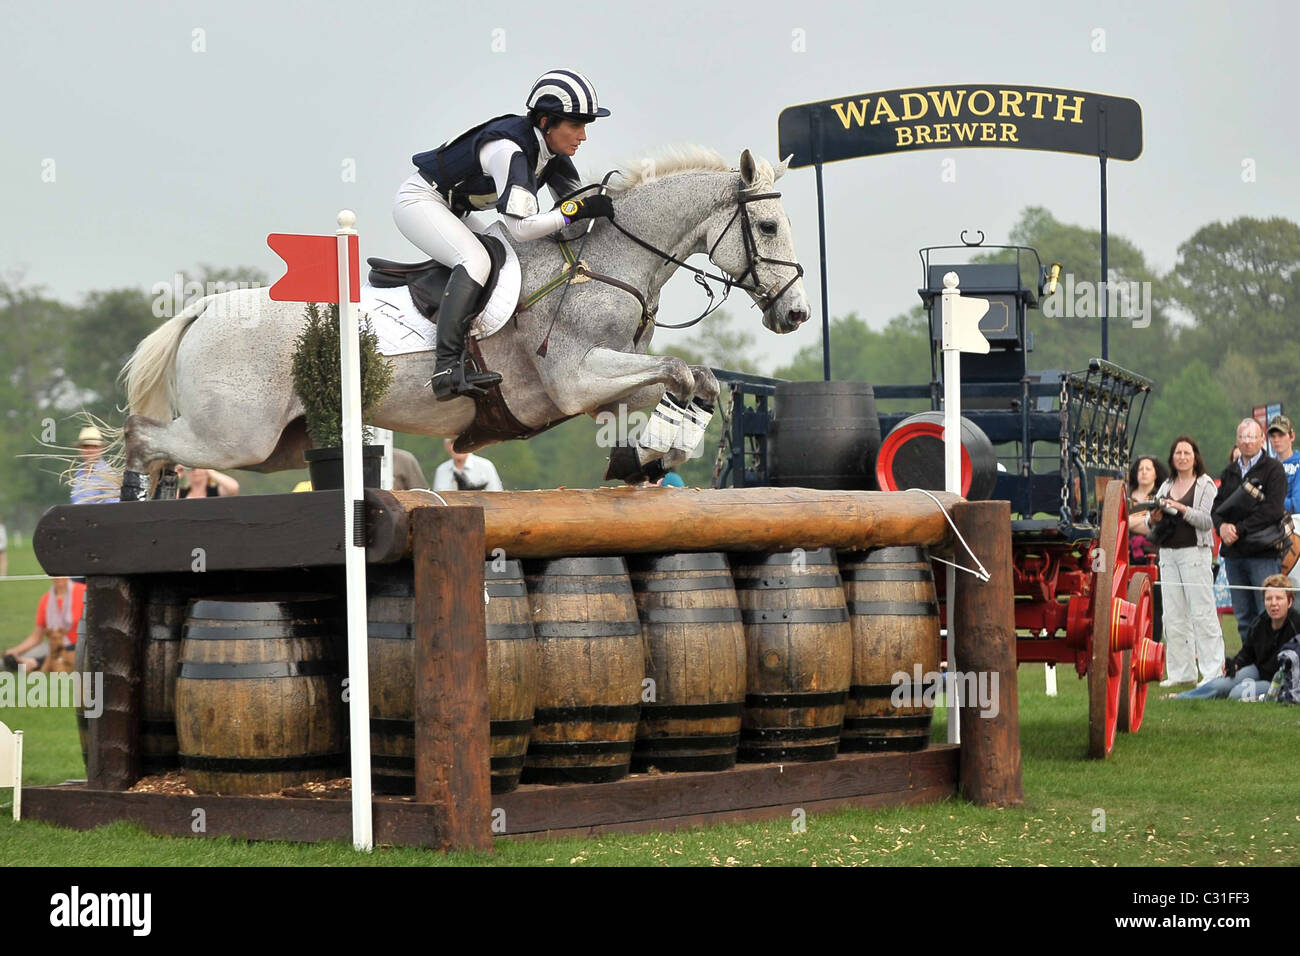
[1217, 336]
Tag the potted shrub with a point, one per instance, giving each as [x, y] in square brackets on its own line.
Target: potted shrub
[317, 382]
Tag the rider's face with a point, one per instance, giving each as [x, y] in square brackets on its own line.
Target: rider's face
[565, 136]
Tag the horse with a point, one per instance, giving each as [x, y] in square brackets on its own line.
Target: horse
[212, 386]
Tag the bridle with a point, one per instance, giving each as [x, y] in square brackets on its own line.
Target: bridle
[765, 297]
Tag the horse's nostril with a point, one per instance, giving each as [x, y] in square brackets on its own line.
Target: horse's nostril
[798, 317]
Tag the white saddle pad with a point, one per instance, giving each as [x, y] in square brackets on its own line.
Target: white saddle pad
[402, 329]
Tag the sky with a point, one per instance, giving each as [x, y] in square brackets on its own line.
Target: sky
[144, 139]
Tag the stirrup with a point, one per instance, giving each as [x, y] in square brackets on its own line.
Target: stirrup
[459, 380]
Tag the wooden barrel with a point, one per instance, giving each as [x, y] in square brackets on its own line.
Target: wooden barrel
[592, 663]
[513, 670]
[799, 654]
[390, 646]
[824, 435]
[258, 697]
[512, 674]
[895, 621]
[912, 456]
[695, 656]
[164, 623]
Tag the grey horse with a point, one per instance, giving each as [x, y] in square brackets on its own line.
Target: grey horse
[212, 387]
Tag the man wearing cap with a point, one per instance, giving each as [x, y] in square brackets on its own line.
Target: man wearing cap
[1281, 437]
[94, 482]
[1250, 503]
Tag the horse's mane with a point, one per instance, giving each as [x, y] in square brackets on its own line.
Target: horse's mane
[673, 161]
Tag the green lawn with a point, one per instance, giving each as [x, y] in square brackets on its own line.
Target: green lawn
[1203, 783]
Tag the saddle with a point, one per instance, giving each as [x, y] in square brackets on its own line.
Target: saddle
[493, 420]
[427, 280]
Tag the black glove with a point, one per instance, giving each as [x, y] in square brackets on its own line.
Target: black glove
[1230, 668]
[593, 207]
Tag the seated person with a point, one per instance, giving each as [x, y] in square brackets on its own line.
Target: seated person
[50, 645]
[1251, 671]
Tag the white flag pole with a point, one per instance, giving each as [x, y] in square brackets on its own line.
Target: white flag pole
[960, 321]
[951, 482]
[354, 553]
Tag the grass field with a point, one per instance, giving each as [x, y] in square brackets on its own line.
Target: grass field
[1203, 783]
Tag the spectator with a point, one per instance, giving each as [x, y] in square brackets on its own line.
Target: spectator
[1144, 477]
[465, 472]
[1246, 521]
[407, 473]
[205, 483]
[1250, 672]
[1192, 634]
[93, 482]
[1281, 436]
[49, 646]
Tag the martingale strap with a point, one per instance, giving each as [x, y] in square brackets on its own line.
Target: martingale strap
[580, 273]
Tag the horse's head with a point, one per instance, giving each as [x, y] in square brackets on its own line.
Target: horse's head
[752, 242]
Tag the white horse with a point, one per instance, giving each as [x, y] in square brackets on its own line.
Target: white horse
[212, 386]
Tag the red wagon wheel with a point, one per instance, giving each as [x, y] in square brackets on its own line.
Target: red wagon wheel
[1133, 690]
[1105, 670]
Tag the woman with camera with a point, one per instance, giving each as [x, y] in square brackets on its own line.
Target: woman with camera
[1182, 528]
[1145, 475]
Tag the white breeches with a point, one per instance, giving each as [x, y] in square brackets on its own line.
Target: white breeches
[424, 217]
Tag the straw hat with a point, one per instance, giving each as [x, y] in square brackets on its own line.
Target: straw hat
[90, 437]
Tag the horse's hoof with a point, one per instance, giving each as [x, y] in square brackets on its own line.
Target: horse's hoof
[133, 486]
[623, 465]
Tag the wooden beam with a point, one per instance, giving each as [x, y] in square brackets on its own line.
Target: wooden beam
[452, 743]
[643, 798]
[615, 521]
[985, 645]
[242, 533]
[112, 625]
[636, 804]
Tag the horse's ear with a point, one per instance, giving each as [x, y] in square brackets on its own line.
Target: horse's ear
[780, 170]
[747, 168]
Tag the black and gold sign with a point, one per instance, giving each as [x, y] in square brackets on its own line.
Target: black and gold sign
[972, 115]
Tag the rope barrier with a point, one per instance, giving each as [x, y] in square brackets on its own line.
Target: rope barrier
[982, 573]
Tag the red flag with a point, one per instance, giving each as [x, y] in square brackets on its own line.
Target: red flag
[313, 273]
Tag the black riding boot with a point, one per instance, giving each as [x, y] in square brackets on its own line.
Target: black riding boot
[450, 375]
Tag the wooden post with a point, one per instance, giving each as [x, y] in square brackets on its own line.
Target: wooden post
[113, 619]
[986, 646]
[451, 694]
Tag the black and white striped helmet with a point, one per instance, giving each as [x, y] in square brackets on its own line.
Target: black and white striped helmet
[566, 93]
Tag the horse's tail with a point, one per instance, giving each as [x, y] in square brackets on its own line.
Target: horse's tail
[150, 372]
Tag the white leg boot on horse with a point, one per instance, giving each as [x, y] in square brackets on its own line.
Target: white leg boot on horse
[451, 376]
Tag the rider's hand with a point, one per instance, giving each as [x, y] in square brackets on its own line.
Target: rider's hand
[593, 207]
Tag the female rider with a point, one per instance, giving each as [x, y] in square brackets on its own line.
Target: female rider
[501, 163]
